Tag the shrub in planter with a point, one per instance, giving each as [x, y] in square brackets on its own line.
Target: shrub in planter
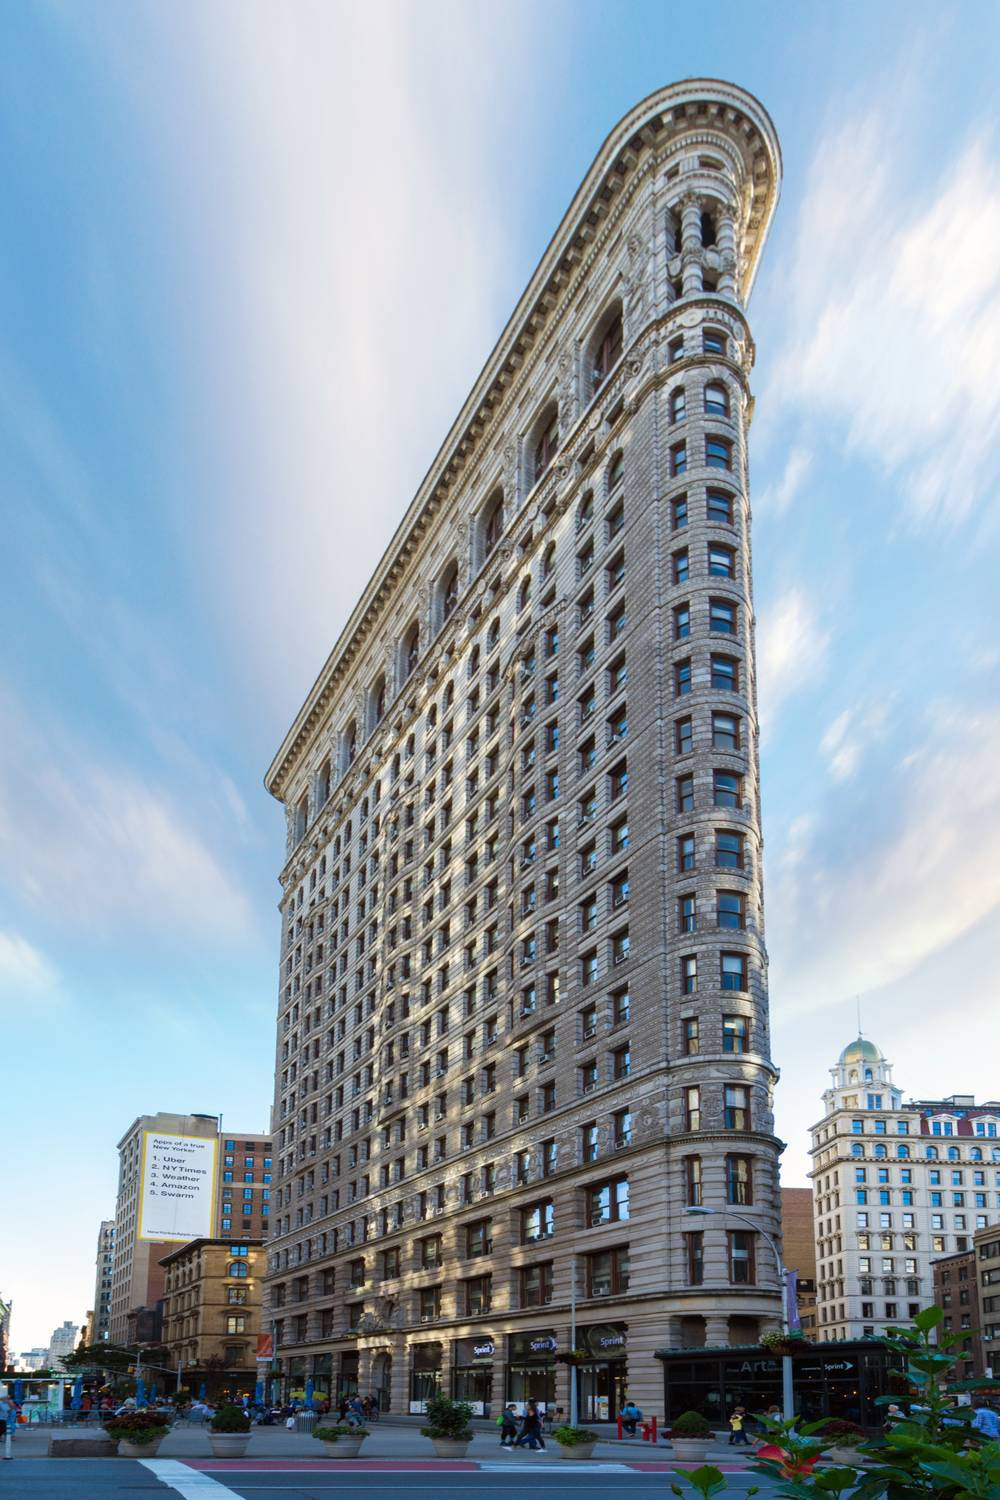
[843, 1434]
[230, 1419]
[689, 1435]
[341, 1441]
[690, 1424]
[574, 1442]
[229, 1432]
[138, 1430]
[448, 1426]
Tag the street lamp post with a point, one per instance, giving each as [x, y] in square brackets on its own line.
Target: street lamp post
[787, 1387]
[573, 1412]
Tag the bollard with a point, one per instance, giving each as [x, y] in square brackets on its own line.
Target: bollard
[620, 1429]
[653, 1438]
[6, 1441]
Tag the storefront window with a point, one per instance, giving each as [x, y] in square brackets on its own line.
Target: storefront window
[472, 1372]
[425, 1375]
[531, 1367]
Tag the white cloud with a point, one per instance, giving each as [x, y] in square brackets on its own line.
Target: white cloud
[886, 878]
[791, 649]
[776, 498]
[851, 733]
[96, 846]
[349, 215]
[24, 971]
[893, 314]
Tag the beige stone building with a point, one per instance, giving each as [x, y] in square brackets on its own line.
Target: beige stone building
[211, 1312]
[896, 1183]
[241, 1209]
[523, 1019]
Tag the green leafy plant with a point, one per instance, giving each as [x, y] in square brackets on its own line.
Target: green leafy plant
[842, 1434]
[447, 1419]
[690, 1424]
[138, 1427]
[572, 1437]
[332, 1434]
[230, 1419]
[708, 1481]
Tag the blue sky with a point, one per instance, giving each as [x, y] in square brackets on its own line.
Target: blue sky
[253, 257]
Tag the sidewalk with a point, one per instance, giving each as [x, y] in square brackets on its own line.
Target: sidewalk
[388, 1440]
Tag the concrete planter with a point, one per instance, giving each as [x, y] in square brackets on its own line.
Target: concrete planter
[346, 1447]
[575, 1450]
[846, 1456]
[691, 1448]
[229, 1444]
[450, 1447]
[138, 1450]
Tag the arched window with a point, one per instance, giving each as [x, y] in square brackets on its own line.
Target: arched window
[549, 560]
[857, 1149]
[238, 1268]
[524, 592]
[449, 591]
[410, 651]
[493, 634]
[931, 1153]
[953, 1153]
[616, 472]
[880, 1153]
[716, 400]
[975, 1154]
[546, 441]
[903, 1152]
[707, 230]
[607, 348]
[585, 511]
[323, 784]
[350, 743]
[492, 523]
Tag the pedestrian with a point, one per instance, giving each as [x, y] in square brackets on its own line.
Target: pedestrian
[631, 1414]
[531, 1429]
[8, 1414]
[737, 1431]
[355, 1412]
[986, 1421]
[507, 1423]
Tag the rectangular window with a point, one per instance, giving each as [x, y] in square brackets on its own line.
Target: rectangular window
[607, 1272]
[741, 1257]
[736, 1108]
[536, 1285]
[719, 508]
[608, 1202]
[695, 1258]
[739, 1179]
[733, 971]
[735, 1034]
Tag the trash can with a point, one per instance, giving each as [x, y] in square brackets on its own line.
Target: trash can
[305, 1421]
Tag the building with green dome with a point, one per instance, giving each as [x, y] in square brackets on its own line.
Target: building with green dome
[896, 1184]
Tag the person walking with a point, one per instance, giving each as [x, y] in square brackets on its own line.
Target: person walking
[507, 1422]
[531, 1429]
[986, 1422]
[737, 1430]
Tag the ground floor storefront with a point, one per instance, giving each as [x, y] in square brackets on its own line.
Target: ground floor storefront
[842, 1380]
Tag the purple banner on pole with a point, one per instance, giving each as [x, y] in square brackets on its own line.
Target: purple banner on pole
[792, 1300]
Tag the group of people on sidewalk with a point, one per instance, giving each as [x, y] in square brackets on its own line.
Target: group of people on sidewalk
[526, 1431]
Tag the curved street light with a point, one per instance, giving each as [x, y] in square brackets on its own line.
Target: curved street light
[787, 1388]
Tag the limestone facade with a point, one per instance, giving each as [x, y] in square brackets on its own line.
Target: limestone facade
[523, 1018]
[897, 1183]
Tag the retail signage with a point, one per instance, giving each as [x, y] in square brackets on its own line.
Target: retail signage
[485, 1349]
[542, 1346]
[177, 1200]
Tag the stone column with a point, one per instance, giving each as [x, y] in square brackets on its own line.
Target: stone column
[716, 1328]
[691, 283]
[726, 239]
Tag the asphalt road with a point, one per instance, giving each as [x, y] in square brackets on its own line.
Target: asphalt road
[123, 1479]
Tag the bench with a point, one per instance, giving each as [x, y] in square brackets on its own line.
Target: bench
[79, 1447]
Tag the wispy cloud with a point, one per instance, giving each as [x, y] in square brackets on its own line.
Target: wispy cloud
[91, 844]
[792, 646]
[25, 973]
[851, 733]
[777, 497]
[893, 313]
[885, 876]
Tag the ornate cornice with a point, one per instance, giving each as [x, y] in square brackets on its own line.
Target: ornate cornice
[697, 109]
